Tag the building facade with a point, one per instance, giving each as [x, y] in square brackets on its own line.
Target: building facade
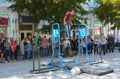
[8, 23]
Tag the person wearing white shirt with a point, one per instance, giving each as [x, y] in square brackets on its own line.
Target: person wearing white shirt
[103, 42]
[67, 47]
[96, 44]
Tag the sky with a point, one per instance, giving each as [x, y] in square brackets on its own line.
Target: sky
[4, 3]
[91, 4]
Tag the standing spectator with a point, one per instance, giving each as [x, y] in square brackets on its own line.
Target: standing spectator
[2, 50]
[38, 40]
[107, 44]
[22, 47]
[45, 47]
[41, 47]
[90, 43]
[61, 44]
[50, 46]
[103, 42]
[13, 45]
[74, 45]
[96, 44]
[56, 47]
[28, 48]
[83, 44]
[17, 49]
[30, 38]
[25, 43]
[111, 43]
[7, 50]
[67, 47]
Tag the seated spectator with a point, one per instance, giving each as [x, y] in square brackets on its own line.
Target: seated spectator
[2, 50]
[7, 50]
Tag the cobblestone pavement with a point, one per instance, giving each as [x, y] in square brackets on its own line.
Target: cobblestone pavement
[20, 69]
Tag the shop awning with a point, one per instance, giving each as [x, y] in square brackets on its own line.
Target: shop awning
[3, 21]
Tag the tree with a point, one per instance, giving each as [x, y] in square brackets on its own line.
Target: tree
[50, 10]
[108, 11]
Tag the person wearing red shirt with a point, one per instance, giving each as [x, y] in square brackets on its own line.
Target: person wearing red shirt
[13, 45]
[45, 47]
[68, 22]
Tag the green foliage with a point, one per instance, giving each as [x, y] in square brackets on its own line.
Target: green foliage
[108, 11]
[50, 10]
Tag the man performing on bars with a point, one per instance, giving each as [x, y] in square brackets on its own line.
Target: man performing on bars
[68, 22]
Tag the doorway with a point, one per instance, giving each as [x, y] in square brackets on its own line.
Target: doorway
[3, 32]
[24, 34]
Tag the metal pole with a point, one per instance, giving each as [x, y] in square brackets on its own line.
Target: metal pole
[79, 52]
[38, 58]
[94, 52]
[33, 58]
[87, 55]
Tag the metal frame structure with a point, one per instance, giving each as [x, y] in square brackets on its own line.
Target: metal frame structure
[82, 32]
[63, 66]
[56, 34]
[60, 65]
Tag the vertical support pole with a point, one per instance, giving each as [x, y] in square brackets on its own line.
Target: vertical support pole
[52, 60]
[56, 34]
[53, 39]
[79, 52]
[33, 58]
[81, 33]
[87, 55]
[38, 58]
